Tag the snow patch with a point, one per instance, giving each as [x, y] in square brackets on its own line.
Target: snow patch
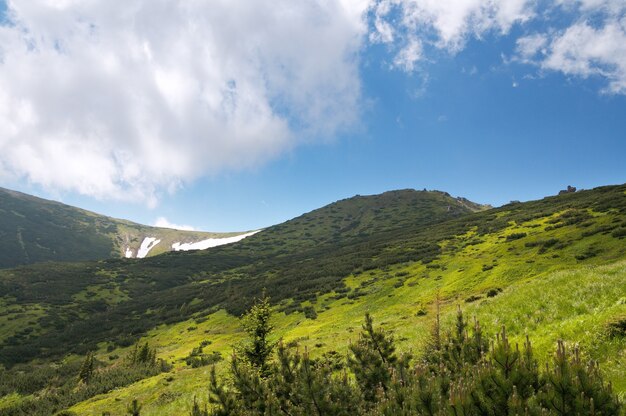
[211, 242]
[129, 253]
[147, 244]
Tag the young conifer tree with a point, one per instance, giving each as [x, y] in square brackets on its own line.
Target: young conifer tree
[257, 324]
[196, 410]
[572, 386]
[134, 408]
[87, 369]
[373, 360]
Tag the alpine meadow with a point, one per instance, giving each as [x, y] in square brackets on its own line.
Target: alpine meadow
[154, 330]
[313, 208]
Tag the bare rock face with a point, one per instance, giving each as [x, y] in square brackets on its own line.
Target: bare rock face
[569, 190]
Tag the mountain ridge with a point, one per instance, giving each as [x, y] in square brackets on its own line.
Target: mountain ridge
[34, 230]
[552, 267]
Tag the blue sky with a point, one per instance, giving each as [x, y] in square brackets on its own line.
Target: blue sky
[516, 107]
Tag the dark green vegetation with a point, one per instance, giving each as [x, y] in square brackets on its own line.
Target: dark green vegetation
[460, 373]
[34, 230]
[391, 253]
[50, 388]
[117, 300]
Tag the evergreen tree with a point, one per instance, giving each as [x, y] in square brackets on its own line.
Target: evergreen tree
[507, 378]
[134, 408]
[459, 349]
[373, 360]
[466, 376]
[224, 401]
[257, 324]
[574, 387]
[143, 355]
[196, 410]
[87, 369]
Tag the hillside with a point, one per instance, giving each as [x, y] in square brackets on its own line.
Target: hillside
[553, 268]
[34, 230]
[326, 245]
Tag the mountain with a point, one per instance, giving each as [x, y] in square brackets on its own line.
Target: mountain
[324, 246]
[34, 230]
[553, 269]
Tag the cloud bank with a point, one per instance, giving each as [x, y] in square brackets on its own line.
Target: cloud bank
[128, 100]
[582, 50]
[593, 43]
[132, 101]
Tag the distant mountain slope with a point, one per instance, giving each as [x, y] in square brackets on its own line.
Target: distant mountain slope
[552, 267]
[295, 259]
[359, 217]
[295, 262]
[34, 230]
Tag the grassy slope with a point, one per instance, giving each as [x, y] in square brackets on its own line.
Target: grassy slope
[564, 279]
[81, 302]
[549, 295]
[333, 329]
[34, 230]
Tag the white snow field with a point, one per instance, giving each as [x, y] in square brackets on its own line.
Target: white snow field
[211, 242]
[147, 244]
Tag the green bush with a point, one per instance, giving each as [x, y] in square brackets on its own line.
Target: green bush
[460, 373]
[619, 233]
[515, 236]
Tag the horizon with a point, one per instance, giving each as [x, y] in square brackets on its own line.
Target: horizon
[234, 117]
[159, 222]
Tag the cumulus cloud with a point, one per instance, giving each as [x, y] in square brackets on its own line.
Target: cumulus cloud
[593, 45]
[416, 28]
[447, 24]
[133, 100]
[584, 51]
[164, 223]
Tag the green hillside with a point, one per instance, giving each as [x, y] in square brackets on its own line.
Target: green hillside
[552, 269]
[35, 230]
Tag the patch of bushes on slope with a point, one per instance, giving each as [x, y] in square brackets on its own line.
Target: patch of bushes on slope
[461, 373]
[616, 327]
[50, 388]
[619, 233]
[545, 245]
[230, 276]
[198, 358]
[515, 236]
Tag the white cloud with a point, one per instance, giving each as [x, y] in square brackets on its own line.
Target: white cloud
[529, 46]
[164, 223]
[577, 48]
[448, 24]
[383, 30]
[128, 101]
[583, 50]
[131, 101]
[407, 58]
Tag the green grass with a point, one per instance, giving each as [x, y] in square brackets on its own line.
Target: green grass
[555, 266]
[573, 305]
[19, 319]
